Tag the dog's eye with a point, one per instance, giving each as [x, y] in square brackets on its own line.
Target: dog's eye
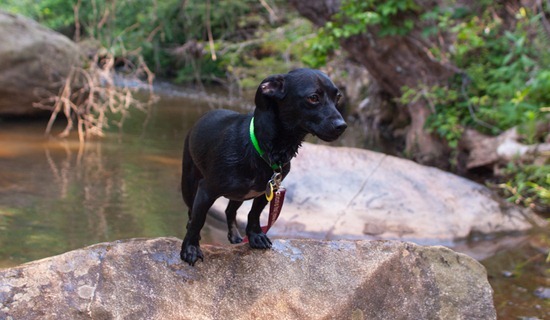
[313, 99]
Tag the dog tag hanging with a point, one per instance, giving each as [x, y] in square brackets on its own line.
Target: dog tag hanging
[273, 185]
[269, 191]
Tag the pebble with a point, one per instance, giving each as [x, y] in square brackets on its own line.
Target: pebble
[507, 274]
[542, 292]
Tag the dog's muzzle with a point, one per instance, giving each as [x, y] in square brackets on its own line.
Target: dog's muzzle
[332, 130]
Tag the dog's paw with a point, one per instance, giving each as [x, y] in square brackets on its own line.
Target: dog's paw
[191, 253]
[259, 241]
[234, 238]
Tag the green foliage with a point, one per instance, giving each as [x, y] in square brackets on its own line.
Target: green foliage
[189, 23]
[22, 7]
[389, 17]
[446, 124]
[270, 51]
[56, 14]
[243, 34]
[528, 185]
[506, 82]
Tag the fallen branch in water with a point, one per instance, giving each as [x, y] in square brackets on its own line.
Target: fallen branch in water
[520, 171]
[92, 94]
[485, 150]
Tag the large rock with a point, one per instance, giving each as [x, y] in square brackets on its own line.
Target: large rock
[32, 59]
[347, 193]
[298, 279]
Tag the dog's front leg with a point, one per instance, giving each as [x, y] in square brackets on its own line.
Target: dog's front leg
[256, 237]
[190, 249]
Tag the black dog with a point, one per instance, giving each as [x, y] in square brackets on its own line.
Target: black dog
[219, 157]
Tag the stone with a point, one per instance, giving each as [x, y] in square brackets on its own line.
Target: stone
[33, 60]
[542, 292]
[296, 279]
[348, 193]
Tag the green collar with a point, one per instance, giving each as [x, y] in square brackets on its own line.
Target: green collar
[262, 154]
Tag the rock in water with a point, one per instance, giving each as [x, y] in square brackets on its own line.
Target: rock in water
[33, 59]
[348, 193]
[297, 279]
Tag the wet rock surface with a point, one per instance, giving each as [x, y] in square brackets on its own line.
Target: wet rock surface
[297, 279]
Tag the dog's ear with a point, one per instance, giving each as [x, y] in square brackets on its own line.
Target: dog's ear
[273, 87]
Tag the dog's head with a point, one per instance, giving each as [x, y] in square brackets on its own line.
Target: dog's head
[304, 99]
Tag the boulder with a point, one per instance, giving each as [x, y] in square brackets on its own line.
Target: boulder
[348, 193]
[33, 59]
[297, 279]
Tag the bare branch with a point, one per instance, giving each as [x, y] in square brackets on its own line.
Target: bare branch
[209, 31]
[89, 93]
[272, 15]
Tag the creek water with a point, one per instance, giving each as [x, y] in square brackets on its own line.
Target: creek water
[56, 196]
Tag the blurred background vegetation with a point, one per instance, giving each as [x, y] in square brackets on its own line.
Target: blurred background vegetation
[496, 51]
[174, 36]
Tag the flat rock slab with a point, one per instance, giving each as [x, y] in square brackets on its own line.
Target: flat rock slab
[297, 279]
[348, 193]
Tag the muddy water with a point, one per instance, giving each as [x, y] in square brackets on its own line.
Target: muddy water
[55, 196]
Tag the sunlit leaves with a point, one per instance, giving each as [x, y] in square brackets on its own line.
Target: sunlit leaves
[384, 18]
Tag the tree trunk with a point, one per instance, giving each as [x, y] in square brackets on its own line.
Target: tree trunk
[395, 62]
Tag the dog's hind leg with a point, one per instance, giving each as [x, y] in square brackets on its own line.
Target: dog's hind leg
[256, 237]
[190, 249]
[233, 233]
[190, 176]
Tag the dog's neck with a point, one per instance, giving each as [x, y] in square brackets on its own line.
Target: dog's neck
[280, 142]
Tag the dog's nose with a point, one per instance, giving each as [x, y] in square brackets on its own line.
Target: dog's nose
[340, 125]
